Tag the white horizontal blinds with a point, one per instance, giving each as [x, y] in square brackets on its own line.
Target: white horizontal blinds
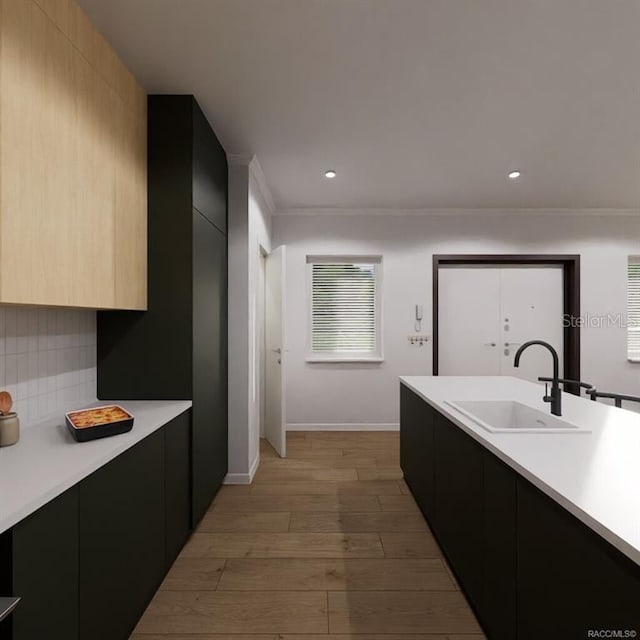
[633, 308]
[343, 300]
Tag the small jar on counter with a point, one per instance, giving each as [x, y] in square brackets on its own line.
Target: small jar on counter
[9, 429]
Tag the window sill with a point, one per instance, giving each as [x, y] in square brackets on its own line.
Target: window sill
[343, 359]
[634, 360]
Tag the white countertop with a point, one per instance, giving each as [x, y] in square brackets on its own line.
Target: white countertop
[46, 461]
[594, 475]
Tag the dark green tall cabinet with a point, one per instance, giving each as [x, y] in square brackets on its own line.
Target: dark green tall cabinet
[121, 543]
[177, 349]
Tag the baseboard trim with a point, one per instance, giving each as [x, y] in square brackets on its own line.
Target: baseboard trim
[243, 478]
[349, 426]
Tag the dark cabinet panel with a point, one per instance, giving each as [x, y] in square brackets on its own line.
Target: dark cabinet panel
[45, 571]
[121, 540]
[177, 486]
[209, 172]
[210, 369]
[417, 448]
[6, 582]
[498, 611]
[458, 503]
[570, 580]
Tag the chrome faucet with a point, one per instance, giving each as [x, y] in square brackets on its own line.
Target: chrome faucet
[555, 398]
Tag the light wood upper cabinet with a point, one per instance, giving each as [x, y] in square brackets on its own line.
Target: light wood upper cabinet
[73, 176]
[130, 197]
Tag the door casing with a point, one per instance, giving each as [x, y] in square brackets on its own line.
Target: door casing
[275, 350]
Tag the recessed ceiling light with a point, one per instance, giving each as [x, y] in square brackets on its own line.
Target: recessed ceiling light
[330, 174]
[514, 174]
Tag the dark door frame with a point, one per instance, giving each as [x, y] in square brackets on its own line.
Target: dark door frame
[571, 284]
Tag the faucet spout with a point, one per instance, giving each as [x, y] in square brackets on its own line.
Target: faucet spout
[555, 398]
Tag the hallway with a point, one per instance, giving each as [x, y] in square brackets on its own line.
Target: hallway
[326, 544]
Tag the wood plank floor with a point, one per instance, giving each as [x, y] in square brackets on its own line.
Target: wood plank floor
[327, 544]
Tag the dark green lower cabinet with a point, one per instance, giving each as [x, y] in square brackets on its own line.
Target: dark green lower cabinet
[417, 448]
[177, 486]
[458, 504]
[6, 582]
[122, 554]
[498, 608]
[45, 571]
[87, 563]
[570, 580]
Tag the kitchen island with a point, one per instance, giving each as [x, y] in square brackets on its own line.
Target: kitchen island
[542, 529]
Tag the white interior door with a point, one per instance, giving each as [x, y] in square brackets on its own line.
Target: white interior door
[486, 313]
[274, 300]
[260, 341]
[531, 308]
[468, 314]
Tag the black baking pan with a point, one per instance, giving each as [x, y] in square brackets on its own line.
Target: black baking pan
[99, 422]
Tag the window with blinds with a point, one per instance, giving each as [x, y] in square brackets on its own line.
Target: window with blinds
[345, 307]
[633, 308]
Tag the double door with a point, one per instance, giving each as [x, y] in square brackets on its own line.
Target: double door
[486, 313]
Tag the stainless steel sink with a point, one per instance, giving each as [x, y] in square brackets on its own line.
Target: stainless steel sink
[509, 416]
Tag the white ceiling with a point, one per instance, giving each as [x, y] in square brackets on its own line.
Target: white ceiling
[416, 103]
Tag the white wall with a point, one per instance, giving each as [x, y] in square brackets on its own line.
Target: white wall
[249, 229]
[259, 241]
[47, 359]
[345, 394]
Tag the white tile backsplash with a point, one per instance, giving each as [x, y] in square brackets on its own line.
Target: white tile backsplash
[47, 359]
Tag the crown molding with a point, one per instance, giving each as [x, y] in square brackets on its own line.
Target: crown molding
[318, 211]
[239, 158]
[255, 172]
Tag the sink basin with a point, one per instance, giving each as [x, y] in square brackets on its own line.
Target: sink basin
[509, 416]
